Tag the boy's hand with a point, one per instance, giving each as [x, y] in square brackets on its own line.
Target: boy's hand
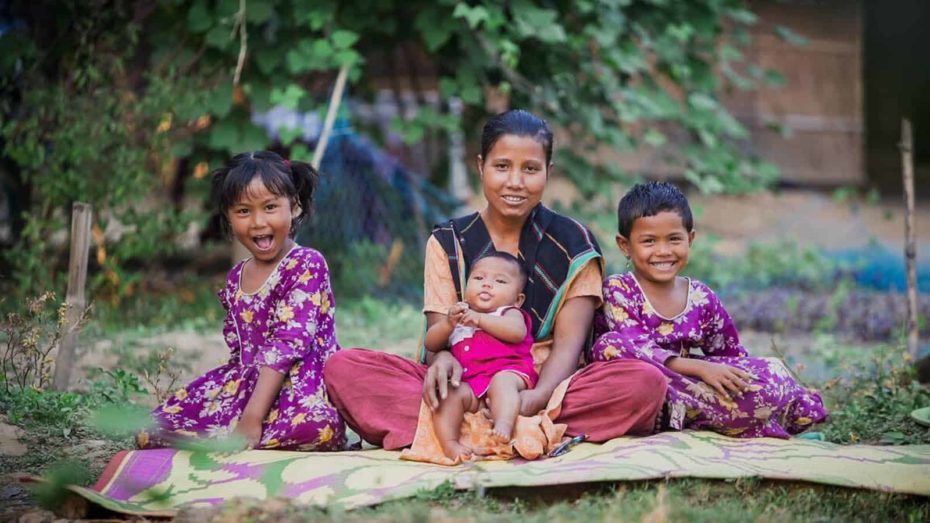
[723, 378]
[455, 313]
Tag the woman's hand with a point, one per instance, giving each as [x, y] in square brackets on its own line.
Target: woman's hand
[532, 401]
[249, 428]
[444, 370]
[723, 378]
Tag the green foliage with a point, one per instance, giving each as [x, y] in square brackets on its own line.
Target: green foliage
[188, 302]
[27, 340]
[355, 271]
[873, 401]
[69, 411]
[381, 325]
[101, 99]
[81, 130]
[53, 492]
[763, 265]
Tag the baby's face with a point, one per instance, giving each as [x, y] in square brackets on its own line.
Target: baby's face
[493, 283]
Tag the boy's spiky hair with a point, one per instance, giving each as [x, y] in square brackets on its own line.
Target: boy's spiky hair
[649, 199]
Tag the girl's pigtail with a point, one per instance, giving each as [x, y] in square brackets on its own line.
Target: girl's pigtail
[305, 179]
[217, 200]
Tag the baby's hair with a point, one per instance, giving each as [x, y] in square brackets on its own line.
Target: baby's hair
[295, 180]
[649, 199]
[520, 123]
[506, 256]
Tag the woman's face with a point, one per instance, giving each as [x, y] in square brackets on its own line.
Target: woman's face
[514, 175]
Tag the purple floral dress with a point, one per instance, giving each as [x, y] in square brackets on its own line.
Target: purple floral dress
[776, 404]
[288, 324]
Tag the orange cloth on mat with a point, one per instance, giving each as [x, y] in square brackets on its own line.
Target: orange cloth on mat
[533, 437]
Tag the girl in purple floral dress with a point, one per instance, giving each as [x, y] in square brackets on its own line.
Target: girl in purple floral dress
[654, 315]
[280, 322]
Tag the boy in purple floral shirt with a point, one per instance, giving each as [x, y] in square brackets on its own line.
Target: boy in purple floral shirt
[654, 315]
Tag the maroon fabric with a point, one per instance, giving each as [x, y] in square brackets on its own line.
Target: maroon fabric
[379, 396]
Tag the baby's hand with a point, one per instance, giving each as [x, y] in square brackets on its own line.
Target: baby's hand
[471, 319]
[455, 313]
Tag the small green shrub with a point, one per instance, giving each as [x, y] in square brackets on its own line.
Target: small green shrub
[873, 404]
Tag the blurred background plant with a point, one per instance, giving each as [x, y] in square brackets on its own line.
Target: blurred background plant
[127, 105]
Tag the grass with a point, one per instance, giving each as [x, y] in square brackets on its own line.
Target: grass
[377, 324]
[690, 500]
[871, 402]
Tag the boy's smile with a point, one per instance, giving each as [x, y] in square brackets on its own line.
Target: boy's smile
[658, 246]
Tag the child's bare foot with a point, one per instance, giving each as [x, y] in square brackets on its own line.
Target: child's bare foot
[502, 431]
[454, 450]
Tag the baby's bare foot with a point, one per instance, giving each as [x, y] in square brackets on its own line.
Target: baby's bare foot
[454, 450]
[502, 431]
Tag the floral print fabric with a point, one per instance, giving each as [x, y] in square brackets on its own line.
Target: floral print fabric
[288, 325]
[776, 404]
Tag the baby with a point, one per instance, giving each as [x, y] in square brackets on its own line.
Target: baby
[491, 337]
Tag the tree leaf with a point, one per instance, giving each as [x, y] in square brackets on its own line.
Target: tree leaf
[473, 15]
[218, 37]
[289, 96]
[257, 11]
[343, 39]
[198, 17]
[436, 29]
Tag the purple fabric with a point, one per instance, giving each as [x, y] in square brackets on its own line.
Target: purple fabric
[287, 325]
[776, 406]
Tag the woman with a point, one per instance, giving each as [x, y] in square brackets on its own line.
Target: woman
[379, 394]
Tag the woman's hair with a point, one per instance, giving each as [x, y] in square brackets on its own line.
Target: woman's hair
[649, 199]
[506, 256]
[520, 123]
[295, 180]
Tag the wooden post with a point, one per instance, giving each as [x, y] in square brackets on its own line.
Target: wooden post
[910, 236]
[75, 301]
[334, 102]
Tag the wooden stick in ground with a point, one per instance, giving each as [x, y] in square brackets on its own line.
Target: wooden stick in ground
[334, 102]
[75, 301]
[910, 240]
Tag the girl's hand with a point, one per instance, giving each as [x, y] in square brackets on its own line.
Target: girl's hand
[444, 370]
[454, 316]
[249, 428]
[723, 378]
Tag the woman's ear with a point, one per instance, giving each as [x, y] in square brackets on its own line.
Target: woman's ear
[480, 164]
[623, 243]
